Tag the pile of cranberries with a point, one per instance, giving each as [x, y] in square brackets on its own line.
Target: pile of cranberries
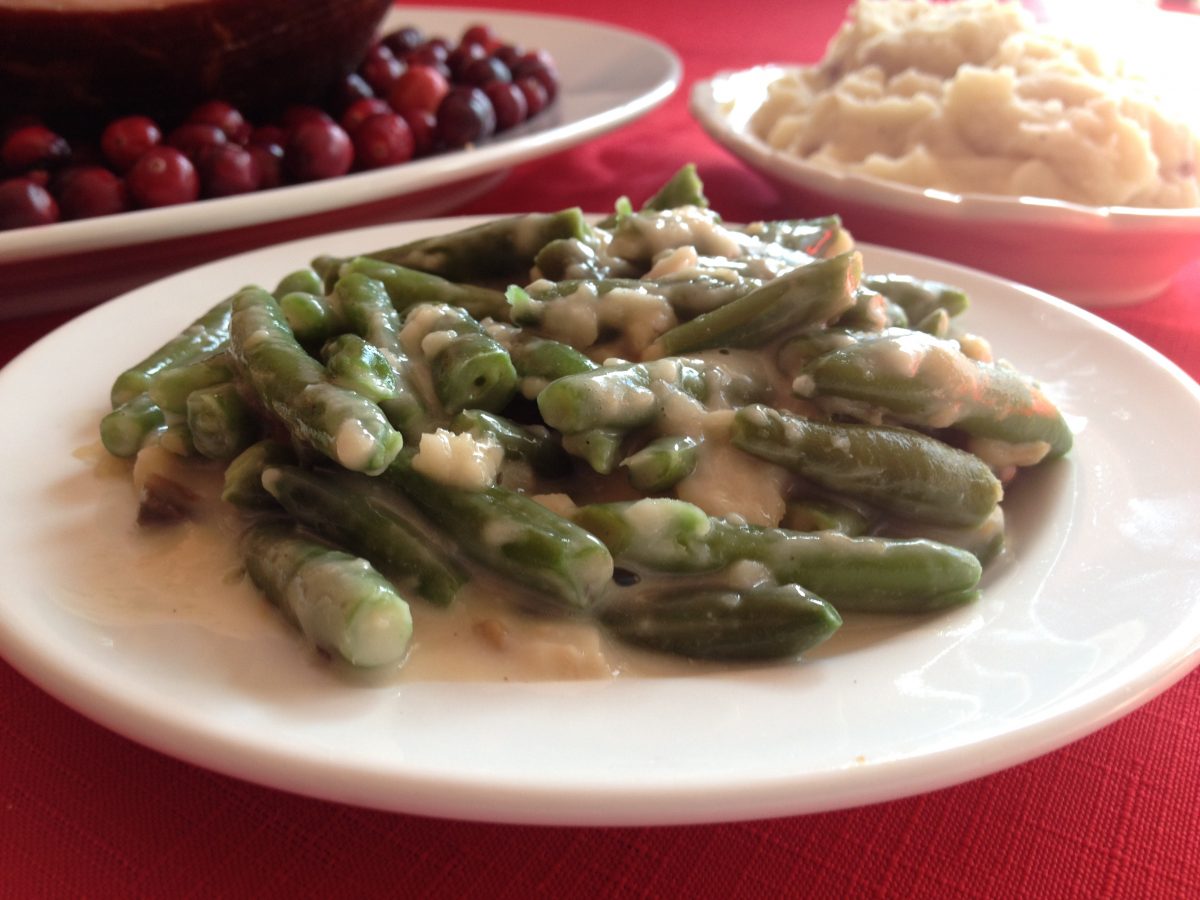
[411, 96]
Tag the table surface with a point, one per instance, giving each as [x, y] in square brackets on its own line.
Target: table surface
[84, 812]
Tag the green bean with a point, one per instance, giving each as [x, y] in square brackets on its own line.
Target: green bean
[568, 258]
[802, 298]
[684, 188]
[662, 463]
[852, 573]
[170, 388]
[760, 623]
[126, 429]
[514, 536]
[338, 601]
[600, 448]
[354, 364]
[204, 335]
[918, 297]
[220, 421]
[370, 314]
[470, 368]
[312, 317]
[688, 297]
[342, 424]
[897, 470]
[243, 476]
[930, 383]
[306, 280]
[535, 357]
[498, 250]
[407, 287]
[372, 520]
[621, 396]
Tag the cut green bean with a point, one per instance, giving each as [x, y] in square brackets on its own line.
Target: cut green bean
[499, 250]
[342, 424]
[514, 536]
[243, 476]
[803, 298]
[409, 287]
[171, 387]
[220, 421]
[338, 601]
[759, 623]
[897, 470]
[662, 463]
[853, 573]
[372, 520]
[204, 335]
[924, 381]
[126, 429]
[622, 396]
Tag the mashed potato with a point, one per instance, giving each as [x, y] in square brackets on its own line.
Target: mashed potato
[975, 96]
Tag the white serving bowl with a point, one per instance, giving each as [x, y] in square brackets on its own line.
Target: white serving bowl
[1093, 256]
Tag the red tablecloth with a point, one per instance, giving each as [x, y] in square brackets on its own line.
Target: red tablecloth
[85, 813]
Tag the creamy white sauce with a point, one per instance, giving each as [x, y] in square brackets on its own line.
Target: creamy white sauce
[459, 460]
[191, 574]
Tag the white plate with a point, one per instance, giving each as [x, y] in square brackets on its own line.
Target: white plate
[609, 77]
[1096, 256]
[1096, 611]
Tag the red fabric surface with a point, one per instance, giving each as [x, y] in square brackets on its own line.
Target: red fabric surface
[85, 813]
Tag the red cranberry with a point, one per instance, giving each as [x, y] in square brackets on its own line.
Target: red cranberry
[40, 177]
[461, 57]
[486, 70]
[482, 35]
[350, 90]
[318, 149]
[423, 125]
[163, 177]
[268, 159]
[34, 146]
[194, 139]
[16, 123]
[224, 116]
[88, 191]
[464, 117]
[421, 87]
[380, 68]
[402, 40]
[24, 204]
[508, 102]
[124, 140]
[268, 135]
[227, 170]
[508, 54]
[294, 115]
[536, 95]
[428, 54]
[360, 111]
[383, 140]
[538, 65]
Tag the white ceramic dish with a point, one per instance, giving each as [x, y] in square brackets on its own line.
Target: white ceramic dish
[609, 77]
[1095, 256]
[1096, 610]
